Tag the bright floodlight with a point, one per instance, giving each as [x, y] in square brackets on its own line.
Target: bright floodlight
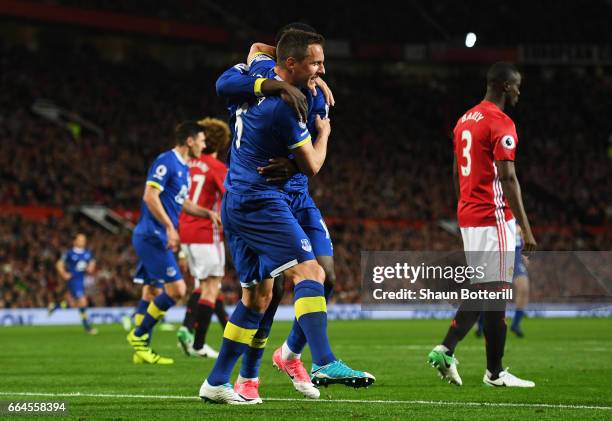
[470, 39]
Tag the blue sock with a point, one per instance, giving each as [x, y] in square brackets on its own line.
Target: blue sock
[311, 315]
[516, 320]
[84, 318]
[238, 335]
[155, 311]
[141, 310]
[251, 360]
[296, 341]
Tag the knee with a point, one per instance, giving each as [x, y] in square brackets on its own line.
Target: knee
[177, 290]
[310, 270]
[257, 300]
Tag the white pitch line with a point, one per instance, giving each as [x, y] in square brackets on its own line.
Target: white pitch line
[397, 402]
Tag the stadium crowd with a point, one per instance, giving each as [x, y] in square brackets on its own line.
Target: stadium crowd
[386, 184]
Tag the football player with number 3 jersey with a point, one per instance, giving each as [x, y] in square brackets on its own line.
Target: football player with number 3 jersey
[489, 198]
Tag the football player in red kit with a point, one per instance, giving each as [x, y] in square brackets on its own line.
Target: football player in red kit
[202, 242]
[489, 200]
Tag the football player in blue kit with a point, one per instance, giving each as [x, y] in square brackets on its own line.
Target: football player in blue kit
[264, 235]
[240, 80]
[155, 237]
[72, 267]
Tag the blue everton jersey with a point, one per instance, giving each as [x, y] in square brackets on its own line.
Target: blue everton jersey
[263, 66]
[264, 128]
[76, 261]
[170, 174]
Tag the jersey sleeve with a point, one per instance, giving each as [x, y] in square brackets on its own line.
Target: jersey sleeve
[293, 132]
[504, 138]
[237, 82]
[260, 64]
[159, 173]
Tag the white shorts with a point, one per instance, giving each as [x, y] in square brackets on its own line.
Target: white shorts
[492, 249]
[205, 260]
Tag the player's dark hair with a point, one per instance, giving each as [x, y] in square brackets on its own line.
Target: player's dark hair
[501, 72]
[294, 43]
[294, 25]
[186, 129]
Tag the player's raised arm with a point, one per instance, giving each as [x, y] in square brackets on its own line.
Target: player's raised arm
[310, 157]
[234, 83]
[261, 48]
[512, 191]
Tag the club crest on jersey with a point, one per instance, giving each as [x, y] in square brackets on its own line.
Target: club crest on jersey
[508, 142]
[170, 271]
[306, 245]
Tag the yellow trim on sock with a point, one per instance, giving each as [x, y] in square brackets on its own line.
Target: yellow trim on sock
[83, 315]
[307, 305]
[259, 343]
[239, 334]
[154, 311]
[138, 318]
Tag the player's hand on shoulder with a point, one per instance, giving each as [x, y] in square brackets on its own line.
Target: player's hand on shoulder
[296, 100]
[279, 169]
[323, 126]
[173, 239]
[327, 93]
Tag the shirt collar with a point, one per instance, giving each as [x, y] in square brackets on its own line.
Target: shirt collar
[179, 157]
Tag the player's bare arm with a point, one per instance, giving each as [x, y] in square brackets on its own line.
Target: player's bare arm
[261, 48]
[309, 157]
[61, 269]
[199, 211]
[512, 191]
[91, 267]
[151, 198]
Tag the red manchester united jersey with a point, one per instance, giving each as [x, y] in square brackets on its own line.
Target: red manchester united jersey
[206, 176]
[483, 135]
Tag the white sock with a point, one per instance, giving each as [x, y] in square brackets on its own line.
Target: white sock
[288, 354]
[241, 379]
[441, 348]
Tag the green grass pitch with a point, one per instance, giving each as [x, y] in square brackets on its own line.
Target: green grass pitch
[569, 359]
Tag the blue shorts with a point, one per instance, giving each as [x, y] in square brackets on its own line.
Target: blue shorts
[310, 219]
[76, 287]
[264, 236]
[519, 267]
[156, 265]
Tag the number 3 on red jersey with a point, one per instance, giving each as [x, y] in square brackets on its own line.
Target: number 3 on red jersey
[467, 168]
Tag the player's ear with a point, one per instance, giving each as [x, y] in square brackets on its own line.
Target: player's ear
[290, 63]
